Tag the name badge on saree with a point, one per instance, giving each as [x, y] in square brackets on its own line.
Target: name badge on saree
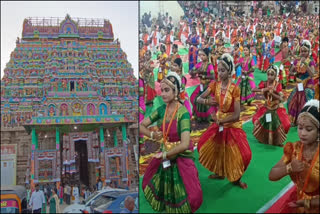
[243, 76]
[166, 164]
[300, 86]
[201, 87]
[268, 117]
[220, 128]
[160, 70]
[281, 67]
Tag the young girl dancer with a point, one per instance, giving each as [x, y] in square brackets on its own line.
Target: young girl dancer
[246, 82]
[301, 162]
[148, 77]
[223, 148]
[303, 69]
[271, 122]
[204, 70]
[177, 68]
[163, 67]
[171, 183]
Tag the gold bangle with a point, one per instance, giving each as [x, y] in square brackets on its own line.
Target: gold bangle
[289, 168]
[307, 203]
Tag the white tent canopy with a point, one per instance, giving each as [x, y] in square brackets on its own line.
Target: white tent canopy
[172, 7]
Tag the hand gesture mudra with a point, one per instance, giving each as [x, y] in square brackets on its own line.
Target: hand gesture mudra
[212, 102]
[297, 165]
[214, 117]
[157, 135]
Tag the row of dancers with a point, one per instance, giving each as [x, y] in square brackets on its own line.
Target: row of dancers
[171, 182]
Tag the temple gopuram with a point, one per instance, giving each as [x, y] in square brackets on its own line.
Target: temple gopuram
[69, 106]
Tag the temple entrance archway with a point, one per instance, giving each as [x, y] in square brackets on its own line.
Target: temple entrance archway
[82, 162]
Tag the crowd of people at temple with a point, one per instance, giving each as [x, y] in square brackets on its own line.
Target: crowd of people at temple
[49, 194]
[224, 55]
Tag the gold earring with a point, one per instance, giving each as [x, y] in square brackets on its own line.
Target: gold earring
[176, 98]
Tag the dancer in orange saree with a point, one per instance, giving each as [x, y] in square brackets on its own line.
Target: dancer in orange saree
[223, 148]
[301, 162]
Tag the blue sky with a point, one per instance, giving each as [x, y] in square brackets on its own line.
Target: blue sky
[123, 16]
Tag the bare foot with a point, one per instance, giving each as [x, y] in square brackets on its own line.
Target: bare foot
[241, 184]
[214, 176]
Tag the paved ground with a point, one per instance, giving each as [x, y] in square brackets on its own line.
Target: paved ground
[62, 206]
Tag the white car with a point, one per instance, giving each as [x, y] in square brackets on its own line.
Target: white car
[85, 204]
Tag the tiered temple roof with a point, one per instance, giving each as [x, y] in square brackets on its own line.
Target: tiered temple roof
[67, 72]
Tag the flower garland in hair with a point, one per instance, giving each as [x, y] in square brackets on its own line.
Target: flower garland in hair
[306, 44]
[311, 109]
[275, 69]
[227, 60]
[170, 79]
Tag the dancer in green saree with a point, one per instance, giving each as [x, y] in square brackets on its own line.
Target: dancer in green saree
[171, 182]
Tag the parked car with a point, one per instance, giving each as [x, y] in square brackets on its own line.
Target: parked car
[85, 204]
[113, 202]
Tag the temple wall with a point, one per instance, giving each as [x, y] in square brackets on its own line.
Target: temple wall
[20, 137]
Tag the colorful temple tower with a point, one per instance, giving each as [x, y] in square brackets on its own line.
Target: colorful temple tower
[69, 104]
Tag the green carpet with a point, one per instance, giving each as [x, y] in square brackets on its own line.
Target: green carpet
[220, 196]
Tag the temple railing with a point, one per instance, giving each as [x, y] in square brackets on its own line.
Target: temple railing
[56, 21]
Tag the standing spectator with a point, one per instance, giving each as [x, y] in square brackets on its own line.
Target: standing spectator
[99, 184]
[60, 193]
[45, 191]
[75, 194]
[87, 193]
[37, 200]
[68, 192]
[129, 205]
[65, 193]
[28, 192]
[54, 202]
[94, 188]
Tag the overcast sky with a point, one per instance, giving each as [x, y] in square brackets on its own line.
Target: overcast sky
[123, 16]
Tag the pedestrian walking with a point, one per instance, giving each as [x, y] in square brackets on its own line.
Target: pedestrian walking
[37, 200]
